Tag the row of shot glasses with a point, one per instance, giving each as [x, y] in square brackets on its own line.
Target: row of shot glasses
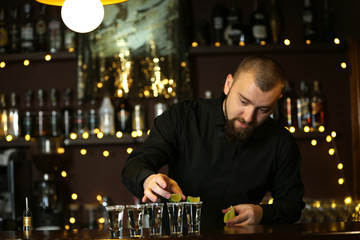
[136, 217]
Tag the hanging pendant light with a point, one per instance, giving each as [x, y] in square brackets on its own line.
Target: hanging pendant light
[81, 16]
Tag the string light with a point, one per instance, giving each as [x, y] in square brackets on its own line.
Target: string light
[119, 134]
[331, 151]
[341, 181]
[106, 153]
[336, 41]
[2, 65]
[26, 62]
[74, 196]
[343, 65]
[313, 142]
[129, 150]
[64, 174]
[85, 135]
[100, 135]
[27, 137]
[287, 42]
[9, 138]
[47, 57]
[73, 136]
[340, 166]
[83, 151]
[72, 220]
[194, 44]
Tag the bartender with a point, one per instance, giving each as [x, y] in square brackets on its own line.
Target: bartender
[228, 151]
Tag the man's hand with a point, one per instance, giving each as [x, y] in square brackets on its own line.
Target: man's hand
[245, 214]
[159, 185]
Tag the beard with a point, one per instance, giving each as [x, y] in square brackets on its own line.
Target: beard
[238, 134]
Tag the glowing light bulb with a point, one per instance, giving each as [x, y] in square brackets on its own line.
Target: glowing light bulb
[82, 16]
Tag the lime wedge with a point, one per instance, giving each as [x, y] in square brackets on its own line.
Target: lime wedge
[193, 199]
[229, 214]
[175, 197]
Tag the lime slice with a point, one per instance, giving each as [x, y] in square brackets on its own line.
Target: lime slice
[193, 199]
[175, 197]
[229, 214]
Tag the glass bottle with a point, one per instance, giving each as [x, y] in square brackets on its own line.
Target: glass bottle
[235, 32]
[317, 107]
[41, 117]
[41, 30]
[55, 32]
[67, 113]
[55, 115]
[138, 118]
[123, 117]
[4, 38]
[28, 115]
[275, 22]
[14, 117]
[107, 117]
[79, 118]
[303, 107]
[93, 118]
[219, 23]
[287, 107]
[69, 40]
[308, 21]
[27, 217]
[27, 31]
[259, 27]
[3, 116]
[14, 31]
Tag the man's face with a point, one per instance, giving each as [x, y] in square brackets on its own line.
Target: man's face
[247, 106]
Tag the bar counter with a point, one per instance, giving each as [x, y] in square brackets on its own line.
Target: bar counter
[317, 231]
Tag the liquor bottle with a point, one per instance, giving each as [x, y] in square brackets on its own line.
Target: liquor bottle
[67, 113]
[234, 33]
[27, 31]
[14, 31]
[79, 118]
[123, 117]
[27, 217]
[327, 20]
[259, 26]
[202, 33]
[4, 38]
[138, 118]
[275, 22]
[3, 116]
[55, 32]
[28, 116]
[303, 107]
[41, 30]
[55, 115]
[69, 40]
[308, 21]
[317, 107]
[287, 107]
[14, 117]
[219, 23]
[107, 117]
[93, 118]
[41, 116]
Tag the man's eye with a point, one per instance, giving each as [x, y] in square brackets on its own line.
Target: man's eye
[264, 110]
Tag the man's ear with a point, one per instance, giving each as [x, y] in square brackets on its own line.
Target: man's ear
[228, 83]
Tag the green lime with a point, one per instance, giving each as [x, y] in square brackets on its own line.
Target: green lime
[229, 214]
[175, 197]
[193, 199]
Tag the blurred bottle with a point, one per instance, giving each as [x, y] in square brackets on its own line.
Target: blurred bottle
[28, 115]
[287, 107]
[219, 22]
[55, 115]
[328, 20]
[55, 32]
[41, 30]
[317, 107]
[235, 33]
[138, 118]
[27, 217]
[275, 21]
[67, 113]
[201, 33]
[14, 31]
[93, 118]
[3, 116]
[27, 31]
[308, 21]
[107, 117]
[69, 40]
[41, 117]
[259, 25]
[14, 117]
[79, 118]
[4, 37]
[303, 107]
[123, 117]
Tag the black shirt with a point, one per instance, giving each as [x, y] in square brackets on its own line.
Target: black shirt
[190, 138]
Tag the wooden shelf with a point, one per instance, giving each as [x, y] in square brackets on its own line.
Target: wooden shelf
[268, 48]
[37, 56]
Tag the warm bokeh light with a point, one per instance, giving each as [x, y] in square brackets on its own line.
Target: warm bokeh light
[119, 134]
[341, 181]
[74, 196]
[348, 200]
[9, 138]
[101, 220]
[129, 150]
[99, 198]
[26, 62]
[343, 65]
[308, 41]
[340, 166]
[60, 150]
[134, 134]
[217, 44]
[106, 153]
[73, 136]
[85, 135]
[271, 201]
[328, 138]
[331, 151]
[27, 137]
[287, 42]
[336, 40]
[100, 135]
[47, 57]
[83, 151]
[194, 44]
[148, 132]
[2, 64]
[64, 174]
[99, 85]
[241, 43]
[292, 129]
[72, 220]
[139, 133]
[313, 142]
[321, 129]
[306, 129]
[333, 134]
[262, 42]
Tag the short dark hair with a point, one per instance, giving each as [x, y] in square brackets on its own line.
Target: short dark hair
[268, 73]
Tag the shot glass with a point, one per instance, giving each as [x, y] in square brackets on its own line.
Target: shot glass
[155, 211]
[115, 216]
[136, 219]
[176, 211]
[193, 215]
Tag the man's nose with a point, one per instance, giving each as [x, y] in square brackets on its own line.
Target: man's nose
[249, 114]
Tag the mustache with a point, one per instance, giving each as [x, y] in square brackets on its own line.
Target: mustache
[249, 124]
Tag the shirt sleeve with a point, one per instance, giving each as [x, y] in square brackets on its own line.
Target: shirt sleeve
[156, 151]
[286, 186]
